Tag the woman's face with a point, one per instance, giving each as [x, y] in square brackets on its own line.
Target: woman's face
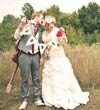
[44, 22]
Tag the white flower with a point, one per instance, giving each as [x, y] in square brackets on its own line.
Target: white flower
[48, 19]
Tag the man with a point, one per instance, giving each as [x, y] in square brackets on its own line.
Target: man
[29, 56]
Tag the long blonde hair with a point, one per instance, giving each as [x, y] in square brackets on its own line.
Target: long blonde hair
[50, 22]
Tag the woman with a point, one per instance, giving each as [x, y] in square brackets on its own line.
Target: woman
[60, 87]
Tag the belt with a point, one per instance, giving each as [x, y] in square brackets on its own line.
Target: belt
[29, 53]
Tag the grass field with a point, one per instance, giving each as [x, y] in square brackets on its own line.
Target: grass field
[12, 102]
[86, 64]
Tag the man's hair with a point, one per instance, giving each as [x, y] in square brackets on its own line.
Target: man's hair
[36, 14]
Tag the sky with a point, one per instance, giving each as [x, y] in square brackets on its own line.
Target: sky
[14, 7]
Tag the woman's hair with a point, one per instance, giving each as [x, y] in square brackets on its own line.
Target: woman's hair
[50, 22]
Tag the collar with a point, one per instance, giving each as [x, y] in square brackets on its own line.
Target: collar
[33, 22]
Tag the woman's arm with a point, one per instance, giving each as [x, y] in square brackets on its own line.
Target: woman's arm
[62, 38]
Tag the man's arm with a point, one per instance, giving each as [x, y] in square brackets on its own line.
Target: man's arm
[20, 27]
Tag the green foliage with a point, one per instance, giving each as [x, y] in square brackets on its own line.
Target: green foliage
[74, 37]
[92, 39]
[75, 21]
[7, 28]
[27, 10]
[54, 11]
[90, 18]
[63, 20]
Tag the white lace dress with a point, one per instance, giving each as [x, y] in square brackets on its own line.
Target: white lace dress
[60, 87]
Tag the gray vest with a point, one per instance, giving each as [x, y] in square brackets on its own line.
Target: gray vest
[22, 43]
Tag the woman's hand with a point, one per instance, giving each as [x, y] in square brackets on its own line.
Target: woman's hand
[42, 61]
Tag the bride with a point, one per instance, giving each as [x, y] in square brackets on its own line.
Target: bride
[60, 87]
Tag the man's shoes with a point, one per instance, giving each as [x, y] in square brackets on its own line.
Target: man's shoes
[23, 105]
[38, 102]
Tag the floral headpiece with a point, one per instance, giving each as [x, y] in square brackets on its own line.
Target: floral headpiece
[50, 19]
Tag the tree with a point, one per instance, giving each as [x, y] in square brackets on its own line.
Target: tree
[63, 20]
[10, 19]
[53, 10]
[90, 17]
[75, 21]
[7, 28]
[27, 10]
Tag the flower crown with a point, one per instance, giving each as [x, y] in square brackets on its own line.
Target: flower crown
[50, 19]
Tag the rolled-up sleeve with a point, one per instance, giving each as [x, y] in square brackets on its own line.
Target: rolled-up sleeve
[17, 34]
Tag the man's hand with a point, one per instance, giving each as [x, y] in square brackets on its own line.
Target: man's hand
[23, 22]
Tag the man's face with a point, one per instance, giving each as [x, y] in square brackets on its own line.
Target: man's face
[41, 19]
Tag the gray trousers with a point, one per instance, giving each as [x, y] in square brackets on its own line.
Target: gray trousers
[27, 63]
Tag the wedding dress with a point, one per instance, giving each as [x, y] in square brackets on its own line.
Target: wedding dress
[60, 87]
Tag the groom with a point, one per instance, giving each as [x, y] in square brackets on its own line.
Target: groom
[29, 58]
